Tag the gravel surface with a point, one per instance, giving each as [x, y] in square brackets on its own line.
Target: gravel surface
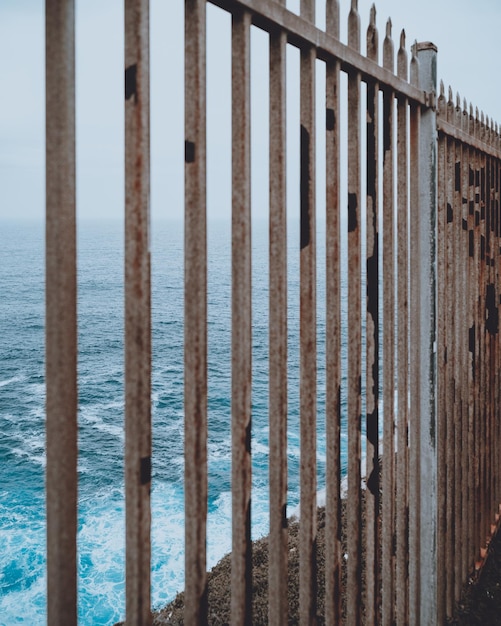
[480, 602]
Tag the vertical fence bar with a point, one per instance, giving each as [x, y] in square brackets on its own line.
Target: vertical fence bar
[308, 349]
[388, 471]
[137, 313]
[467, 503]
[353, 507]
[402, 504]
[476, 339]
[195, 315]
[427, 54]
[414, 321]
[482, 338]
[372, 499]
[471, 338]
[449, 371]
[458, 365]
[456, 351]
[277, 582]
[442, 359]
[61, 314]
[241, 367]
[333, 548]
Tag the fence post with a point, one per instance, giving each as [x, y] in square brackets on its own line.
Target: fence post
[425, 306]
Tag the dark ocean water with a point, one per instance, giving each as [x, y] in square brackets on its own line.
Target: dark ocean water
[101, 508]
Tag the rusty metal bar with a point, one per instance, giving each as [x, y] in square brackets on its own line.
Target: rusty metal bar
[482, 373]
[471, 337]
[195, 315]
[137, 314]
[308, 349]
[442, 538]
[388, 470]
[278, 549]
[353, 506]
[467, 503]
[372, 497]
[269, 15]
[457, 361]
[402, 503]
[333, 547]
[474, 122]
[241, 366]
[449, 373]
[414, 331]
[61, 314]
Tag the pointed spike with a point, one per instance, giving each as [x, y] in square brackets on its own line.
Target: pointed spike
[373, 16]
[414, 68]
[372, 37]
[458, 100]
[451, 95]
[482, 117]
[465, 106]
[388, 28]
[402, 38]
[476, 114]
[332, 18]
[442, 89]
[471, 109]
[354, 26]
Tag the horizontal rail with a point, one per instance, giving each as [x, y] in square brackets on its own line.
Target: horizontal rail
[448, 129]
[269, 15]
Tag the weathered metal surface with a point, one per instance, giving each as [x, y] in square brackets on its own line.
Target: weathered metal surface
[333, 548]
[471, 278]
[477, 338]
[61, 314]
[463, 277]
[456, 352]
[372, 499]
[241, 362]
[414, 328]
[449, 129]
[308, 331]
[278, 549]
[388, 470]
[195, 315]
[451, 219]
[354, 409]
[426, 305]
[442, 367]
[269, 14]
[137, 314]
[401, 457]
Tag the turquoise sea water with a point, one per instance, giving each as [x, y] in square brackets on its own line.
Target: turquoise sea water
[101, 510]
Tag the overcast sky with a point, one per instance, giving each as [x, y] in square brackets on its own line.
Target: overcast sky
[465, 33]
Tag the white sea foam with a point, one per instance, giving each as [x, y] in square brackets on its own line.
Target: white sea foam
[15, 379]
[91, 416]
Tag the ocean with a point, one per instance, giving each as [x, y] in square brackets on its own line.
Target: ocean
[101, 564]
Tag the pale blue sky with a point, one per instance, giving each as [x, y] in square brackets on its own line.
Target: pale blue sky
[469, 51]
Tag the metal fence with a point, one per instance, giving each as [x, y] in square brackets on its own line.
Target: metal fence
[422, 370]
